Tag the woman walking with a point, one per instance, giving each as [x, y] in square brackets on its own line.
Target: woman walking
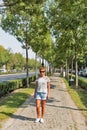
[42, 92]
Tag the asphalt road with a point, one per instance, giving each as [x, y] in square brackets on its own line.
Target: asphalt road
[7, 77]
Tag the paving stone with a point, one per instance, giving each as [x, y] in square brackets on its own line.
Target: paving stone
[61, 112]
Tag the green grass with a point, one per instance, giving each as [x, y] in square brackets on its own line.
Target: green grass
[10, 103]
[79, 96]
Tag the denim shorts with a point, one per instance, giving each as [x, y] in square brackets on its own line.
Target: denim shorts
[41, 95]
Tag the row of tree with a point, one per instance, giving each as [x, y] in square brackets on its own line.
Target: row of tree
[15, 62]
[69, 24]
[55, 30]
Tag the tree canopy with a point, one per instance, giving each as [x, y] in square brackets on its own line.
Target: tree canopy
[56, 30]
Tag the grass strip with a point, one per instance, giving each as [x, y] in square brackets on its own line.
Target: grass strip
[79, 96]
[10, 103]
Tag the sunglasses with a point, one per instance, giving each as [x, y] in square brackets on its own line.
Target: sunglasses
[42, 71]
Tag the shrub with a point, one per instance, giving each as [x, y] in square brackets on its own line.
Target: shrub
[9, 86]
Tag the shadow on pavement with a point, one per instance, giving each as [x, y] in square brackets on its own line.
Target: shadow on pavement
[20, 117]
[52, 100]
[65, 107]
[52, 86]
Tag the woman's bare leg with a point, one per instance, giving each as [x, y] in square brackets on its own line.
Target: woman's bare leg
[43, 103]
[38, 107]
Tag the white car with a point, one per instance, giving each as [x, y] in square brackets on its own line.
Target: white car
[84, 73]
[80, 72]
[3, 70]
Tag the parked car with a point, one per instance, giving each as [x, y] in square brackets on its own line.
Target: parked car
[84, 73]
[3, 70]
[80, 72]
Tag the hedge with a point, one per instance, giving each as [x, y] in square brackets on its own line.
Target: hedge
[8, 86]
[82, 82]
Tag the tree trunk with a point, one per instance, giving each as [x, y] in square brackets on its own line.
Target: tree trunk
[76, 70]
[27, 79]
[67, 71]
[36, 65]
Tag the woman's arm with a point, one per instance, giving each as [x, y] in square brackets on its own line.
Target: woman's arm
[35, 89]
[48, 90]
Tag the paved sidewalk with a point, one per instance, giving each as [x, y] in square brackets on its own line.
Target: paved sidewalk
[61, 112]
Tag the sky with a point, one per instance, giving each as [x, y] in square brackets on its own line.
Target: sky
[9, 41]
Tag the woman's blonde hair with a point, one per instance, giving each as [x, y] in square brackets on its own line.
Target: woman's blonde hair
[42, 68]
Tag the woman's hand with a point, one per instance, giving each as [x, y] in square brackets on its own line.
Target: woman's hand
[34, 95]
[48, 96]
